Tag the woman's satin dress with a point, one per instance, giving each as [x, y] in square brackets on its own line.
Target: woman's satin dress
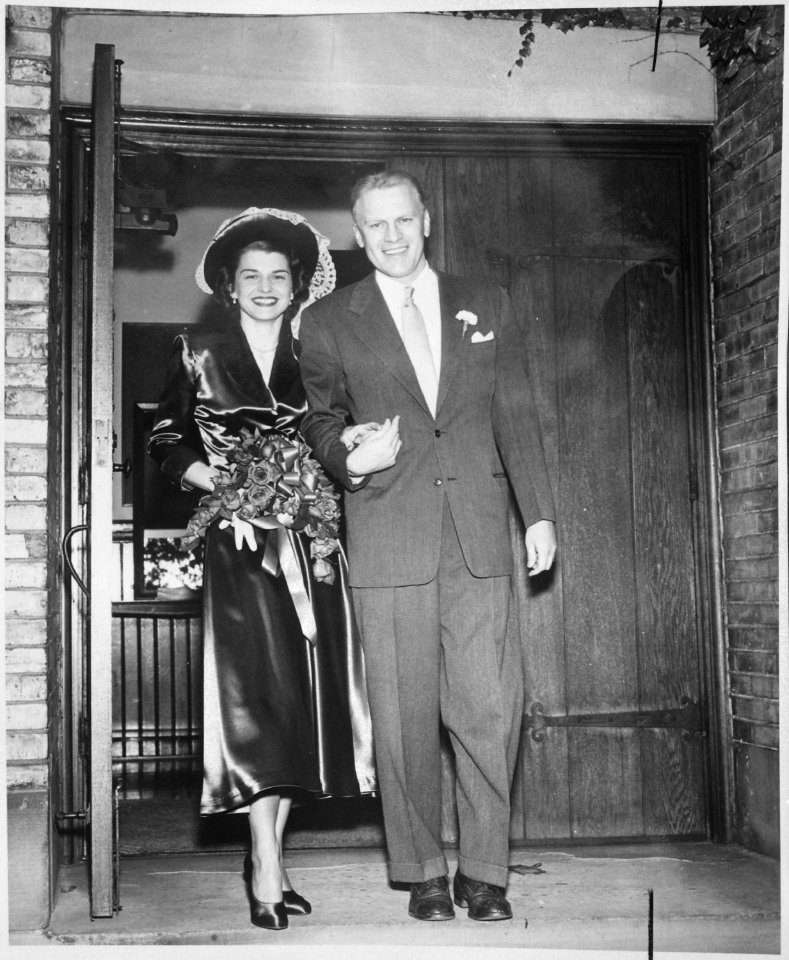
[278, 712]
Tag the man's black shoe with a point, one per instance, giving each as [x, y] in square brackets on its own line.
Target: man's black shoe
[430, 900]
[485, 901]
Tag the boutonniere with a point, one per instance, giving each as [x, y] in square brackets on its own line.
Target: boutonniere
[468, 319]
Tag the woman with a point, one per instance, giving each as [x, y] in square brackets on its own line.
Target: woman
[281, 716]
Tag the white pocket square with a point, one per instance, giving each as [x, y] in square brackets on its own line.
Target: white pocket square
[478, 337]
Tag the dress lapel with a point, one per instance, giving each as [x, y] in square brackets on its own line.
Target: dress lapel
[239, 362]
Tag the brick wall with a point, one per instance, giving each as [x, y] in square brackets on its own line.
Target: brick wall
[27, 549]
[745, 197]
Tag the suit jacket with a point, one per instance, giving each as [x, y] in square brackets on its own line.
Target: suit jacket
[485, 432]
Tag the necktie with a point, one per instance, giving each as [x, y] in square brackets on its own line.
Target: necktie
[418, 349]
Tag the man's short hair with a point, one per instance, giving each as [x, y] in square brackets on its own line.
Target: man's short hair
[383, 179]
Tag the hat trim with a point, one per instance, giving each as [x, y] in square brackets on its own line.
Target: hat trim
[324, 276]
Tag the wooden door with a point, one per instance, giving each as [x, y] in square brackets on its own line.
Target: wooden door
[591, 249]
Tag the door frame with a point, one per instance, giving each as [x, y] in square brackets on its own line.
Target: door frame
[311, 138]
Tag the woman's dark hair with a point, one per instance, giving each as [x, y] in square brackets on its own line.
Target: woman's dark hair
[300, 275]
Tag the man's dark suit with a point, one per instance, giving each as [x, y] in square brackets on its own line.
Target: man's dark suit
[439, 515]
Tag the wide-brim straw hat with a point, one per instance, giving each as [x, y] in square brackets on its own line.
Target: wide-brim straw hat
[282, 228]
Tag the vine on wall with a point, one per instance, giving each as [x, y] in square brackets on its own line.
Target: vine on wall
[732, 35]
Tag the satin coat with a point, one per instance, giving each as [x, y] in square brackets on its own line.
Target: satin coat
[278, 713]
[484, 439]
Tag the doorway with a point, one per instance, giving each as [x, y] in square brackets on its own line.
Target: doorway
[598, 236]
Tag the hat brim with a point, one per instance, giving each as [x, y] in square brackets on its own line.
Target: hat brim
[296, 238]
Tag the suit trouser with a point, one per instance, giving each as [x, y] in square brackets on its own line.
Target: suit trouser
[443, 651]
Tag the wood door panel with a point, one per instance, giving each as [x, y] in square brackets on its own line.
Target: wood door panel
[587, 208]
[605, 783]
[544, 785]
[662, 513]
[594, 489]
[476, 208]
[673, 770]
[651, 213]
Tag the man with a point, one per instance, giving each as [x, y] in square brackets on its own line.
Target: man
[435, 363]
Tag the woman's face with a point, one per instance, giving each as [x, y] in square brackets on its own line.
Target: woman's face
[263, 284]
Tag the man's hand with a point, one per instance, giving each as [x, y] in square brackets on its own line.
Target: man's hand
[351, 437]
[377, 450]
[243, 532]
[540, 546]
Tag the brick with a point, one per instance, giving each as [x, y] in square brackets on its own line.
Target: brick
[37, 545]
[15, 547]
[25, 516]
[26, 346]
[27, 176]
[23, 123]
[749, 500]
[22, 574]
[27, 775]
[26, 716]
[29, 70]
[24, 687]
[764, 638]
[26, 374]
[743, 591]
[28, 97]
[32, 660]
[747, 614]
[746, 342]
[25, 403]
[761, 735]
[27, 151]
[26, 315]
[21, 633]
[27, 289]
[750, 547]
[753, 661]
[26, 460]
[34, 42]
[23, 431]
[32, 206]
[744, 366]
[743, 684]
[751, 522]
[749, 431]
[750, 478]
[756, 384]
[27, 16]
[26, 746]
[26, 488]
[748, 455]
[761, 568]
[25, 260]
[27, 233]
[764, 711]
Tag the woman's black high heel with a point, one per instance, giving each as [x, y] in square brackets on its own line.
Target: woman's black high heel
[269, 916]
[295, 904]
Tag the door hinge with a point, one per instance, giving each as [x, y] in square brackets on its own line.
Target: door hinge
[687, 717]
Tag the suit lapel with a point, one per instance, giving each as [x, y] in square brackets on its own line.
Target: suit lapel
[375, 327]
[452, 297]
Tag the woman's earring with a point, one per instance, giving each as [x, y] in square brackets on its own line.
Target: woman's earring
[234, 297]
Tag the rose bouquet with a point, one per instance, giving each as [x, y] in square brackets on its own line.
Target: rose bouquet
[273, 481]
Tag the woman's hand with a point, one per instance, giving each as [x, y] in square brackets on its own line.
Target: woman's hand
[199, 474]
[377, 450]
[351, 437]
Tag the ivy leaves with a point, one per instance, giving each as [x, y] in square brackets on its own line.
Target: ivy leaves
[737, 34]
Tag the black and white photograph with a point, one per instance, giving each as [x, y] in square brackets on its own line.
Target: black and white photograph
[395, 456]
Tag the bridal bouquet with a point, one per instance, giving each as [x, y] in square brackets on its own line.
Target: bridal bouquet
[272, 481]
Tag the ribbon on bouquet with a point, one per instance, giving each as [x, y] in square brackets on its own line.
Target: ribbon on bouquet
[280, 555]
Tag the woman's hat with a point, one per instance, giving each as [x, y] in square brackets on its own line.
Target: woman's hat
[281, 228]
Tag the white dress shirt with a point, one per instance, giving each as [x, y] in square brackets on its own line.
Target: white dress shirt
[425, 297]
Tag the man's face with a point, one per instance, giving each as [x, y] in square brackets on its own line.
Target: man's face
[391, 224]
